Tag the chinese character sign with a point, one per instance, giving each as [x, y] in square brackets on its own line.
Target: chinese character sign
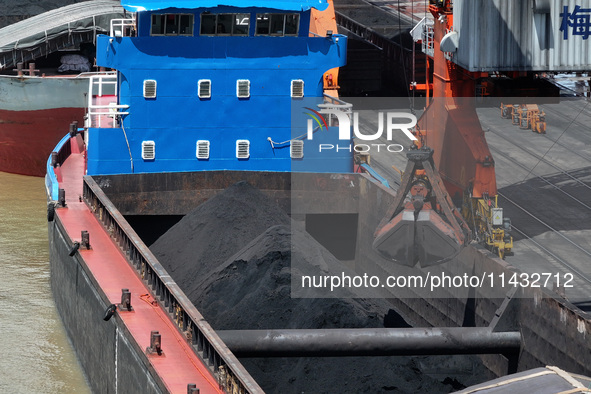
[578, 19]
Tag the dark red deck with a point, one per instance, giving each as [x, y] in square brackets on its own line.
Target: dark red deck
[179, 365]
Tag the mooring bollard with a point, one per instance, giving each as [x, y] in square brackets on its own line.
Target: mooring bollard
[126, 300]
[61, 199]
[85, 239]
[155, 343]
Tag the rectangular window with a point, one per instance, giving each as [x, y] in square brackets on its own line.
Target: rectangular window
[241, 24]
[186, 25]
[208, 22]
[243, 88]
[262, 27]
[292, 24]
[172, 24]
[277, 24]
[157, 25]
[225, 24]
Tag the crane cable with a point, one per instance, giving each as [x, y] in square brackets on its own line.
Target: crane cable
[410, 103]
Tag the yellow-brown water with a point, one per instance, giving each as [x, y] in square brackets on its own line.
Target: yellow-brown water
[35, 355]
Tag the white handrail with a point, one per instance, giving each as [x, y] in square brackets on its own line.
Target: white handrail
[92, 73]
[122, 24]
[334, 103]
[98, 111]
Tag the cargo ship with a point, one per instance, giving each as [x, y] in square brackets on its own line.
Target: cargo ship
[204, 96]
[211, 95]
[31, 126]
[39, 100]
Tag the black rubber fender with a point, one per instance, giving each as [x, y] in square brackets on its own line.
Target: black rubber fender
[110, 312]
[50, 211]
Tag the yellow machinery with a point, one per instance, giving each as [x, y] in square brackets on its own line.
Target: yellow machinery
[526, 116]
[488, 224]
[538, 122]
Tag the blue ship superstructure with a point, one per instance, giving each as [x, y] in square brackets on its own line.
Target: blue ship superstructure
[203, 86]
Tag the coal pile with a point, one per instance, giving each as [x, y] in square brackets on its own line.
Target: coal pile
[203, 239]
[258, 284]
[233, 257]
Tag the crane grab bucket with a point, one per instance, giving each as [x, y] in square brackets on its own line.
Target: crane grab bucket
[427, 229]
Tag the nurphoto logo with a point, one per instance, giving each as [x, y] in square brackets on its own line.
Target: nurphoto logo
[392, 124]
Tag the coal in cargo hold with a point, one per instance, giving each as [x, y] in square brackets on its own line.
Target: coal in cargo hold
[234, 257]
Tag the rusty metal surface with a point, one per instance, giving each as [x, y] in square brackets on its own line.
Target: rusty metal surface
[179, 193]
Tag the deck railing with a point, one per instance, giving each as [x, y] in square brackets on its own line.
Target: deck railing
[336, 104]
[103, 115]
[231, 375]
[60, 153]
[122, 28]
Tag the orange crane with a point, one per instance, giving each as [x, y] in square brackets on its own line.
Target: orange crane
[322, 23]
[463, 169]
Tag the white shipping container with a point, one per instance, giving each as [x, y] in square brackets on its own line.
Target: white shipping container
[523, 35]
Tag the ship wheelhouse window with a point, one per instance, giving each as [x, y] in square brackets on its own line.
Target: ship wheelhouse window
[172, 24]
[225, 24]
[277, 24]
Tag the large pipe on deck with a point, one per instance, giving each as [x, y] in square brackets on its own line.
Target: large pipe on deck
[369, 342]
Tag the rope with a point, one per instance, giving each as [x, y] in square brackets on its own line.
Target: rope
[301, 137]
[128, 148]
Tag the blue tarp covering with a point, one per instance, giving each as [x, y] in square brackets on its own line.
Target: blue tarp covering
[287, 5]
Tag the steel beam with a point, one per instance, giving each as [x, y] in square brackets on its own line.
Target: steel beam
[370, 342]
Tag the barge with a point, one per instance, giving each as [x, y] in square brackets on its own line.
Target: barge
[209, 96]
[39, 100]
[201, 89]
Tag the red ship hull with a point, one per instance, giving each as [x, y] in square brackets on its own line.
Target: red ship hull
[28, 137]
